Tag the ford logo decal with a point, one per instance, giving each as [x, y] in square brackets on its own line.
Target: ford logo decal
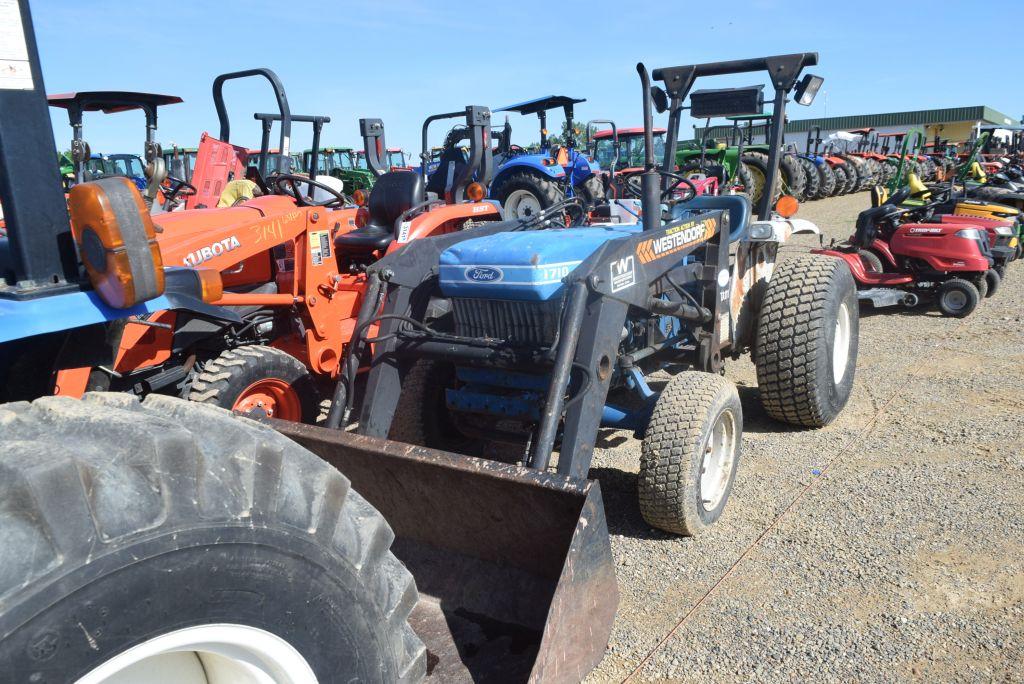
[484, 274]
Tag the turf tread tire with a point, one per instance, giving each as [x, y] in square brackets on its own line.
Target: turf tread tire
[668, 483]
[793, 357]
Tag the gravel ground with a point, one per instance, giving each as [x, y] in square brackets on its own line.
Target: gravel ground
[888, 546]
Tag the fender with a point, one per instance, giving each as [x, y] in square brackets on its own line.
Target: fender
[529, 162]
[446, 219]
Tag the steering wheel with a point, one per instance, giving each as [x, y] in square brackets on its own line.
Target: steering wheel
[177, 187]
[631, 186]
[287, 184]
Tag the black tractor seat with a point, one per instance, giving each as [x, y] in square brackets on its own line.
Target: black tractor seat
[394, 193]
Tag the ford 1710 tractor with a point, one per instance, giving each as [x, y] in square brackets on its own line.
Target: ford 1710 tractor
[526, 182]
[519, 339]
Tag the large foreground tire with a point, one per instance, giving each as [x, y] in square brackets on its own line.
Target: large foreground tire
[526, 194]
[257, 379]
[807, 340]
[690, 453]
[129, 526]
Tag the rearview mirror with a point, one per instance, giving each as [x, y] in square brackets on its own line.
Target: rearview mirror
[807, 88]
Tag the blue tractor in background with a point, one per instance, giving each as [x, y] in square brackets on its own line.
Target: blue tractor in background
[528, 182]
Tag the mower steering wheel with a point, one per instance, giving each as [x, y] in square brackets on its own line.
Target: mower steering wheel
[631, 186]
[287, 184]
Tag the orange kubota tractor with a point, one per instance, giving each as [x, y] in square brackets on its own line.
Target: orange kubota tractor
[292, 254]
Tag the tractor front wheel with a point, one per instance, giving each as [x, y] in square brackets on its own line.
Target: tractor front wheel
[807, 340]
[170, 541]
[258, 380]
[690, 453]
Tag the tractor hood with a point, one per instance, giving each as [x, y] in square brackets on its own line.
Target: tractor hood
[524, 265]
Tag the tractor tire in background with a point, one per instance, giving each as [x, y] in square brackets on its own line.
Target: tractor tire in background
[844, 181]
[812, 190]
[858, 172]
[758, 170]
[806, 349]
[690, 453]
[254, 378]
[828, 180]
[166, 540]
[525, 194]
[590, 191]
[422, 417]
[793, 176]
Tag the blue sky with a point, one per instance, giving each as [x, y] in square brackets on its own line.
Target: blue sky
[401, 60]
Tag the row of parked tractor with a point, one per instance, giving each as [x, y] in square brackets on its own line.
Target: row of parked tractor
[472, 322]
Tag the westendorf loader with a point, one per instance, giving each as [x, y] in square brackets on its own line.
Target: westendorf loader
[517, 339]
[168, 539]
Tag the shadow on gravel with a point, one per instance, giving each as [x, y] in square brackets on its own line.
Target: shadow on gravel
[618, 488]
[755, 420]
[920, 311]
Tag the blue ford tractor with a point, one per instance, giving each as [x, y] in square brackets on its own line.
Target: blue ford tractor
[528, 182]
[515, 340]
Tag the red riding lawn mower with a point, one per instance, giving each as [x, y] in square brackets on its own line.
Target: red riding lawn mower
[897, 256]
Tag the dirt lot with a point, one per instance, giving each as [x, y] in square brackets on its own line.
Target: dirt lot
[888, 546]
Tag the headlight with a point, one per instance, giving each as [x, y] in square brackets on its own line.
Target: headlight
[1003, 230]
[969, 233]
[761, 231]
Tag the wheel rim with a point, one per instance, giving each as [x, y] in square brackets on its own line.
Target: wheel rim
[716, 467]
[522, 204]
[207, 654]
[841, 344]
[273, 396]
[955, 300]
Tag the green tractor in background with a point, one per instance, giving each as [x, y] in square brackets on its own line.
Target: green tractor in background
[745, 163]
[342, 163]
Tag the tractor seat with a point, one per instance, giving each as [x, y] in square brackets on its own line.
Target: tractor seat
[394, 193]
[868, 221]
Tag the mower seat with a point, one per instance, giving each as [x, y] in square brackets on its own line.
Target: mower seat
[394, 193]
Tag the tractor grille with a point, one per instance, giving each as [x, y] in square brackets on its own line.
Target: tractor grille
[521, 323]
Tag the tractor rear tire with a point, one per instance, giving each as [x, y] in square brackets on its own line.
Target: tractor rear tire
[828, 180]
[259, 379]
[758, 170]
[591, 192]
[957, 298]
[793, 175]
[690, 453]
[844, 183]
[128, 526]
[807, 335]
[521, 186]
[813, 188]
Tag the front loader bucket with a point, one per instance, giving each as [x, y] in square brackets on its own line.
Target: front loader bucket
[513, 566]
